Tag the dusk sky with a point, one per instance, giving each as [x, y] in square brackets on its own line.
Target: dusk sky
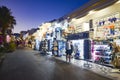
[31, 13]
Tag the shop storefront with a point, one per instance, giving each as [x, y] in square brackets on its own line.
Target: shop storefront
[106, 31]
[103, 26]
[60, 41]
[81, 45]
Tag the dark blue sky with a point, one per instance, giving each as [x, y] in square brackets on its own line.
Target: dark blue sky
[31, 13]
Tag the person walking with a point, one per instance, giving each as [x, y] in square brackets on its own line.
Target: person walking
[69, 50]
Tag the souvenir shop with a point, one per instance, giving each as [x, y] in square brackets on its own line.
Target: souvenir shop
[106, 31]
[81, 44]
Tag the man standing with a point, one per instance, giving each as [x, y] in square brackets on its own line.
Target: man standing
[69, 50]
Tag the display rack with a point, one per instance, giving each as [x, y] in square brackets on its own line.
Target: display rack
[101, 52]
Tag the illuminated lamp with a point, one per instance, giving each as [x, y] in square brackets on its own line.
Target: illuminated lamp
[91, 12]
[118, 2]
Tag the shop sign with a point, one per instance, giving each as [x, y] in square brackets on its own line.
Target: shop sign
[82, 35]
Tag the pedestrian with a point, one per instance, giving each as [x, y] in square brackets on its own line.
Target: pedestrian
[53, 51]
[29, 43]
[69, 50]
[115, 50]
[55, 47]
[45, 46]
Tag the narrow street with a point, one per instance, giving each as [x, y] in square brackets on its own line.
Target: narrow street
[26, 64]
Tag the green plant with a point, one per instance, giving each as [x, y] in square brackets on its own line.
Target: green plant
[11, 47]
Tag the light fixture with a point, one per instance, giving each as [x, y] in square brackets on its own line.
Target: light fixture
[92, 12]
[118, 2]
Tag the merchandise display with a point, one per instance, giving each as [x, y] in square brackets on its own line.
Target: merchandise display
[81, 49]
[78, 48]
[61, 47]
[101, 52]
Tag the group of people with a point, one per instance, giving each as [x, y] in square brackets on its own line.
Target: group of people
[69, 49]
[20, 43]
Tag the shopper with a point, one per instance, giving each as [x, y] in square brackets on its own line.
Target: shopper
[69, 50]
[111, 46]
[53, 51]
[114, 52]
[55, 47]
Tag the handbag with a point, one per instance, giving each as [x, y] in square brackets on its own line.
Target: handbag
[55, 48]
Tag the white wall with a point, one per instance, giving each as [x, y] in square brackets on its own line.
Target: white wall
[110, 10]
